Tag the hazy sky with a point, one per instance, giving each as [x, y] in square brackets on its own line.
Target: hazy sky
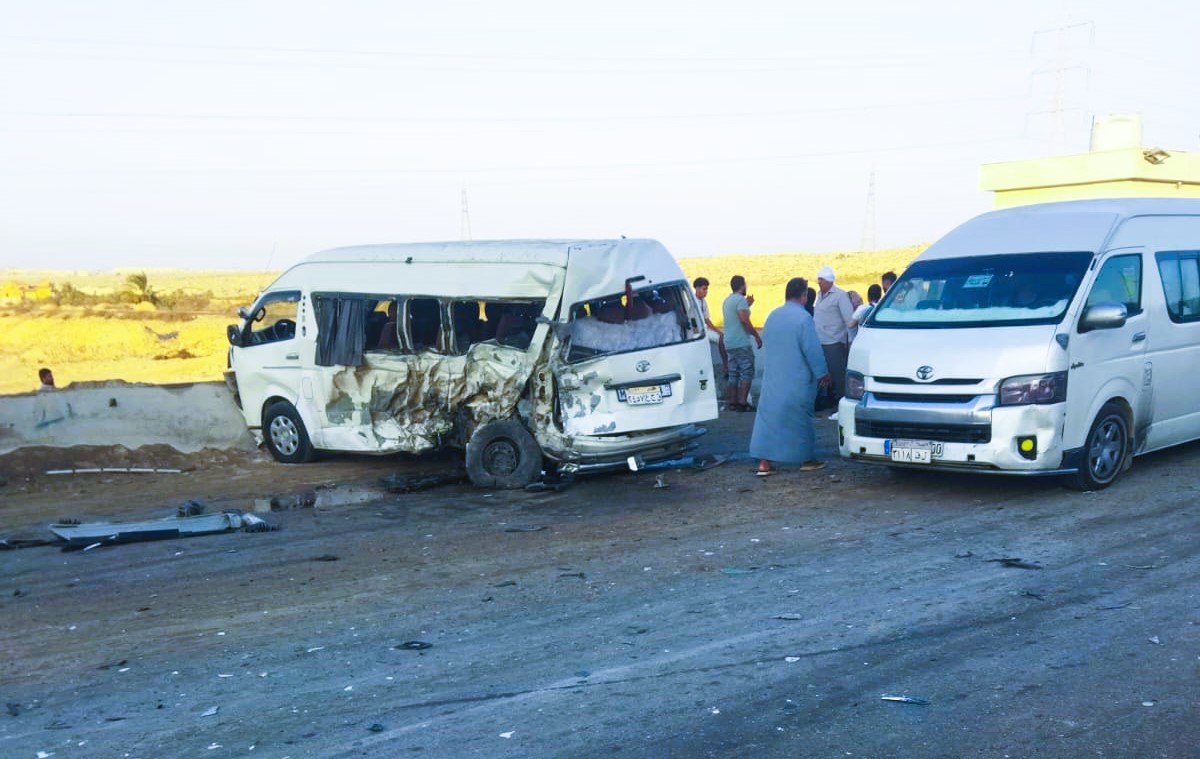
[243, 134]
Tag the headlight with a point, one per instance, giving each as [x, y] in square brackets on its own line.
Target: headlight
[1034, 388]
[854, 386]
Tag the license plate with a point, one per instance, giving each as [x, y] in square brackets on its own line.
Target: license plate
[644, 395]
[913, 451]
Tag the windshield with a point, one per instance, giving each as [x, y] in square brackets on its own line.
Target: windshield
[983, 291]
[647, 318]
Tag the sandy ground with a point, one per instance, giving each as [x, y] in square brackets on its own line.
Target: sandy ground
[722, 616]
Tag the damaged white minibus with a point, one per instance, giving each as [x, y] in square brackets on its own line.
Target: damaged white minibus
[1061, 338]
[573, 354]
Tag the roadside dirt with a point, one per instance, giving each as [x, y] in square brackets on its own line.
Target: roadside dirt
[722, 615]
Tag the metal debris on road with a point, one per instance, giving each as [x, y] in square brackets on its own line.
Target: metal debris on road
[1031, 594]
[580, 575]
[526, 528]
[1113, 607]
[413, 645]
[376, 728]
[326, 557]
[116, 469]
[211, 711]
[788, 617]
[92, 534]
[1154, 639]
[1015, 563]
[399, 483]
[733, 571]
[660, 481]
[906, 700]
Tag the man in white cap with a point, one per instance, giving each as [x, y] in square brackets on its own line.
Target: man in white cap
[831, 315]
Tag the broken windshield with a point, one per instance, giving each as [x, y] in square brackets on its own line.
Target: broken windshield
[983, 291]
[634, 320]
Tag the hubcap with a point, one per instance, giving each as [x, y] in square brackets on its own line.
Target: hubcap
[501, 458]
[1104, 455]
[284, 435]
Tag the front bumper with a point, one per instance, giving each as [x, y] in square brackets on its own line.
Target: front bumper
[972, 435]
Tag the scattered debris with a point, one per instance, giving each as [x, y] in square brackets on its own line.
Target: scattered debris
[111, 469]
[1031, 594]
[580, 575]
[505, 584]
[1116, 606]
[304, 500]
[734, 571]
[413, 645]
[906, 700]
[11, 544]
[89, 535]
[555, 481]
[660, 481]
[376, 728]
[791, 659]
[326, 557]
[964, 555]
[14, 709]
[211, 711]
[526, 528]
[1015, 563]
[18, 593]
[400, 483]
[191, 509]
[1144, 566]
[788, 617]
[1154, 639]
[121, 663]
[509, 734]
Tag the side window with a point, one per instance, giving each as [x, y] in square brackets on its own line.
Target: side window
[424, 323]
[1180, 274]
[381, 332]
[1119, 281]
[467, 325]
[274, 319]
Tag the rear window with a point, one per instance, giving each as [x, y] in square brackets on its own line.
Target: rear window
[649, 317]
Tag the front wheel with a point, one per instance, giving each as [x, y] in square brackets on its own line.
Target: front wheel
[1105, 452]
[284, 434]
[503, 455]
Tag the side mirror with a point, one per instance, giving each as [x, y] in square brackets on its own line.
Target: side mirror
[234, 333]
[1103, 316]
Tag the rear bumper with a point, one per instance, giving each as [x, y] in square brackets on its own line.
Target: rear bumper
[588, 454]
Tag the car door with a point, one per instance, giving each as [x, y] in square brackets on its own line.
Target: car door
[1109, 363]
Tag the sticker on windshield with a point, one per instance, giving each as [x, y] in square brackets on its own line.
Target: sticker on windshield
[977, 280]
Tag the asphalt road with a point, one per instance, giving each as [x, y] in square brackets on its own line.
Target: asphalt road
[722, 616]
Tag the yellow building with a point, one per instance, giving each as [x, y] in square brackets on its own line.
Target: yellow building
[1117, 166]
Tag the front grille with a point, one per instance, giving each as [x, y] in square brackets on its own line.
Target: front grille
[908, 398]
[942, 433]
[911, 381]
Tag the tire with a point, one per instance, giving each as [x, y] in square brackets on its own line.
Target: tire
[284, 434]
[1105, 452]
[503, 455]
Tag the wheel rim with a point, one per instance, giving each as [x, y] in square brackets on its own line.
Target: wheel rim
[284, 435]
[501, 458]
[1106, 449]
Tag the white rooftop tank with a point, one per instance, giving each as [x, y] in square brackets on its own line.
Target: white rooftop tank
[1118, 131]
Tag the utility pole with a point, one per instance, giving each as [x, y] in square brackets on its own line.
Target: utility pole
[868, 232]
[1055, 56]
[464, 222]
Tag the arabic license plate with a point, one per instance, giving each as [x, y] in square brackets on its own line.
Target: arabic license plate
[643, 396]
[913, 451]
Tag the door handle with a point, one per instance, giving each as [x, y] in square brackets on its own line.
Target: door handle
[296, 356]
[1139, 336]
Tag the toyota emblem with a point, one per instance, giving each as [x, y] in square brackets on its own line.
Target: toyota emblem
[643, 366]
[925, 373]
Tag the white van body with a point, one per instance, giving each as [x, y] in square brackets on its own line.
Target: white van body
[1061, 338]
[590, 393]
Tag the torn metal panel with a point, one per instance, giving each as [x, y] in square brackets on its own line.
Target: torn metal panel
[108, 533]
[413, 403]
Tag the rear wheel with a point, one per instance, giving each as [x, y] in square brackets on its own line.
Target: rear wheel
[284, 434]
[1106, 450]
[503, 455]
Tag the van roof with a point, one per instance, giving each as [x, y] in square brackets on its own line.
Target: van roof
[552, 252]
[1075, 225]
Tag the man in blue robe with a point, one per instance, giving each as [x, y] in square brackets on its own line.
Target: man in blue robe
[793, 368]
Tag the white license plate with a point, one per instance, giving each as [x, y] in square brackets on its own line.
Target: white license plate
[914, 451]
[643, 396]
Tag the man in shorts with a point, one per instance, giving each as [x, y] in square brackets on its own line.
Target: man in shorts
[738, 332]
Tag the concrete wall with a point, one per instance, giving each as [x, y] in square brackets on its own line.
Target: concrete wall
[188, 418]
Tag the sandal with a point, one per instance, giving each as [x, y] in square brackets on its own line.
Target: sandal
[812, 466]
[770, 470]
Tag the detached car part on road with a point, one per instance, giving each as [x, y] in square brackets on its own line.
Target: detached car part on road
[1061, 338]
[582, 353]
